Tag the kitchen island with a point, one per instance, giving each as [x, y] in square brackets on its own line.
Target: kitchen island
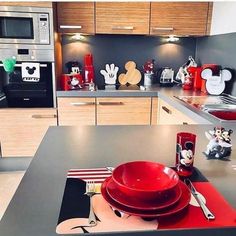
[35, 207]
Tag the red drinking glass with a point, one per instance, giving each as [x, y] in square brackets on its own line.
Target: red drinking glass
[185, 149]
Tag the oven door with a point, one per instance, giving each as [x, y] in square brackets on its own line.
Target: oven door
[19, 27]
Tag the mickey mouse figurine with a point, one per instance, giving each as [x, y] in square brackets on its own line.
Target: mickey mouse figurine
[219, 146]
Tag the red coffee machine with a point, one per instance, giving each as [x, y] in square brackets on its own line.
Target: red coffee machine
[88, 69]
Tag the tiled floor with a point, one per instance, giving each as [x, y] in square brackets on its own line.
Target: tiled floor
[9, 182]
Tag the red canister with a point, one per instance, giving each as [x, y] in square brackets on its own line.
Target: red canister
[65, 82]
[195, 73]
[88, 68]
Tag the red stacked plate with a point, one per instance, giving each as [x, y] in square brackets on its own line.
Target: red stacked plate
[146, 189]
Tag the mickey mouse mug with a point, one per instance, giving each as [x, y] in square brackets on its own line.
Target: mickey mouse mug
[185, 149]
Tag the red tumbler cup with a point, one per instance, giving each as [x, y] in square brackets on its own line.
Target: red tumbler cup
[185, 149]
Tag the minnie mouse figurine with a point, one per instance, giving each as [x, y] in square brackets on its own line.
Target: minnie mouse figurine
[219, 146]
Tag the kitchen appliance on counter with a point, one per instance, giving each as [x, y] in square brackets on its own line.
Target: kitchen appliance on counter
[31, 84]
[166, 76]
[26, 25]
[71, 81]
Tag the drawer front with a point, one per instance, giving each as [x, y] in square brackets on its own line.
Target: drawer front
[22, 130]
[170, 115]
[76, 111]
[123, 111]
[122, 17]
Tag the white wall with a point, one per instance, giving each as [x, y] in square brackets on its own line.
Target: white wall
[223, 17]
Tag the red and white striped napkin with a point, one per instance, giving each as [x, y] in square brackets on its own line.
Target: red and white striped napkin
[98, 175]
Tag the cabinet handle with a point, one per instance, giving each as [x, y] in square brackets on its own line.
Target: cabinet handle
[162, 28]
[166, 109]
[111, 103]
[0, 150]
[44, 116]
[70, 27]
[82, 103]
[122, 27]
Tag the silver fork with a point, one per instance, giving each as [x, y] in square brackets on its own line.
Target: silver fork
[90, 191]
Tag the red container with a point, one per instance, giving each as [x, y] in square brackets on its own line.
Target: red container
[185, 149]
[69, 81]
[145, 180]
[188, 83]
[88, 69]
[65, 82]
[195, 72]
[88, 60]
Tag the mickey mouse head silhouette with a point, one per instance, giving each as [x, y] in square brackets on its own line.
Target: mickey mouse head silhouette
[215, 84]
[185, 154]
[30, 70]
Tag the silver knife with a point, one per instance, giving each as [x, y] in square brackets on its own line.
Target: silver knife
[208, 214]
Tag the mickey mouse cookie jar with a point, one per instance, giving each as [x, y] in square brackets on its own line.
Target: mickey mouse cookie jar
[185, 149]
[215, 83]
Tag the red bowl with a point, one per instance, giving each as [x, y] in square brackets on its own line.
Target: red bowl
[145, 180]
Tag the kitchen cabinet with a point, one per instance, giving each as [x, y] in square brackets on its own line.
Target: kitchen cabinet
[76, 111]
[167, 114]
[124, 110]
[27, 4]
[154, 111]
[76, 17]
[23, 129]
[122, 17]
[180, 18]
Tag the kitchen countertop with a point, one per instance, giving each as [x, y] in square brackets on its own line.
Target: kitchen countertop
[165, 93]
[35, 207]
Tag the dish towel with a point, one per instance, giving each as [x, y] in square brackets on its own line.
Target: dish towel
[30, 72]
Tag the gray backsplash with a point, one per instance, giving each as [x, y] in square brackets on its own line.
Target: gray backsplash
[119, 49]
[221, 50]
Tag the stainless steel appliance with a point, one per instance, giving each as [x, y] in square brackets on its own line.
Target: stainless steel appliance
[32, 83]
[26, 34]
[166, 76]
[26, 25]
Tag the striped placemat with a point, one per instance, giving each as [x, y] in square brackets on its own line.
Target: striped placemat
[98, 175]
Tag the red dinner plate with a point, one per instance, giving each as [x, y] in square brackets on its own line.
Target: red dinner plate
[167, 200]
[179, 206]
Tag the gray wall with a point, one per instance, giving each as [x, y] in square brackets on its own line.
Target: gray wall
[119, 49]
[221, 50]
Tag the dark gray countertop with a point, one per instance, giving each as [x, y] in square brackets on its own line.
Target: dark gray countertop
[35, 207]
[165, 93]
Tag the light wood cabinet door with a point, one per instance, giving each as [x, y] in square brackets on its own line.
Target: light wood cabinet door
[76, 111]
[27, 4]
[21, 130]
[122, 17]
[76, 17]
[180, 18]
[124, 111]
[169, 115]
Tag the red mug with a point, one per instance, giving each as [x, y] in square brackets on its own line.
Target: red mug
[185, 149]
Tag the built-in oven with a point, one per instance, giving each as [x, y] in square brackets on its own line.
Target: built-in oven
[25, 25]
[31, 83]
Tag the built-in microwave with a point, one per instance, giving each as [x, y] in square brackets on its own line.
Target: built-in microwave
[25, 25]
